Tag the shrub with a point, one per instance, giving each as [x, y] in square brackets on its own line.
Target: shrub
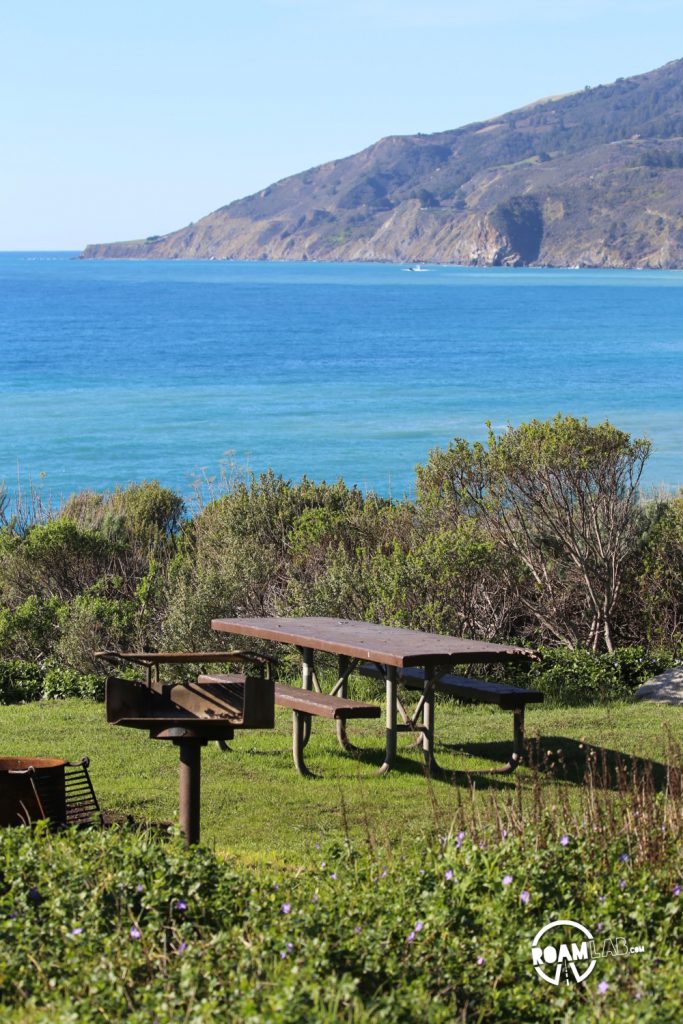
[30, 631]
[662, 571]
[583, 677]
[20, 681]
[89, 623]
[560, 497]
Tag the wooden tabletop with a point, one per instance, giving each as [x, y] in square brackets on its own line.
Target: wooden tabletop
[387, 645]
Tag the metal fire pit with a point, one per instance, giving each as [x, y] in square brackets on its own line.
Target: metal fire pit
[191, 714]
[32, 788]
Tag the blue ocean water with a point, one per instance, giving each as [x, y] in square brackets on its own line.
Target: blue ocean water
[116, 371]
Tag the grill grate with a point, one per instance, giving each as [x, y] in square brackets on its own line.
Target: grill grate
[77, 803]
[82, 807]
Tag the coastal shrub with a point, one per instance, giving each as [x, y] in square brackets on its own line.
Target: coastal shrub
[662, 571]
[123, 925]
[446, 581]
[538, 534]
[55, 559]
[576, 677]
[146, 510]
[22, 681]
[30, 630]
[89, 623]
[60, 683]
[560, 497]
[242, 550]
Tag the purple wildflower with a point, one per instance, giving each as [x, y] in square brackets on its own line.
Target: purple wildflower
[357, 929]
[676, 890]
[449, 875]
[622, 884]
[419, 925]
[333, 875]
[180, 905]
[600, 926]
[76, 931]
[504, 834]
[623, 857]
[285, 908]
[507, 880]
[384, 873]
[290, 947]
[459, 839]
[181, 948]
[411, 937]
[525, 895]
[602, 987]
[314, 898]
[34, 895]
[564, 841]
[276, 885]
[135, 932]
[480, 961]
[601, 899]
[139, 887]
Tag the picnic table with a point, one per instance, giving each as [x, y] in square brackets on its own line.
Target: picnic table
[419, 661]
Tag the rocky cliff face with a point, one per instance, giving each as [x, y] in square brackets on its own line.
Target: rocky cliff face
[591, 179]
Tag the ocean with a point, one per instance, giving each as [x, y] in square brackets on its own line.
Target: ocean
[119, 371]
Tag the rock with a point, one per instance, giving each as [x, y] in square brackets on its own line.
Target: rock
[666, 688]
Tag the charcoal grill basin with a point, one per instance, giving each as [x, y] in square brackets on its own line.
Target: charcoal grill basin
[32, 788]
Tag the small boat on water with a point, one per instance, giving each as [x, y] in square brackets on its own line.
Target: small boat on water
[417, 269]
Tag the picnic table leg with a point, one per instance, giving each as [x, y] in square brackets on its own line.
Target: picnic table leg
[518, 727]
[392, 694]
[300, 722]
[428, 726]
[307, 672]
[343, 691]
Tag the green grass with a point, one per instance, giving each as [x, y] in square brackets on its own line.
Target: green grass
[255, 805]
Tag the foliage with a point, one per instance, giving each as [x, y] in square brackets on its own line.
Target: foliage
[92, 573]
[236, 557]
[540, 535]
[128, 926]
[29, 630]
[22, 681]
[576, 677]
[661, 575]
[561, 499]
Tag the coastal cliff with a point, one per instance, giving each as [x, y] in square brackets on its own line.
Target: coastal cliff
[594, 178]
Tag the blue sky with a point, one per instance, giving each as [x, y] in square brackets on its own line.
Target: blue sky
[128, 119]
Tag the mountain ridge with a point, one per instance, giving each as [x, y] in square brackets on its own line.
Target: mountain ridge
[589, 178]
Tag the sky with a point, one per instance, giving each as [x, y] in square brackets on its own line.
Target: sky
[128, 119]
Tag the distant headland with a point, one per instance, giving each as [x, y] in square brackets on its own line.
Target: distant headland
[590, 179]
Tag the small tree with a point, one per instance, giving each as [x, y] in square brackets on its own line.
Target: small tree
[561, 497]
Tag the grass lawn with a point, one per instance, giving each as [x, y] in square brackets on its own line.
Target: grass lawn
[255, 805]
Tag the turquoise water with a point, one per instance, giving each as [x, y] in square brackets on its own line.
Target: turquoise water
[118, 371]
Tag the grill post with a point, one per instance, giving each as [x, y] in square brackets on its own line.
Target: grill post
[190, 788]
